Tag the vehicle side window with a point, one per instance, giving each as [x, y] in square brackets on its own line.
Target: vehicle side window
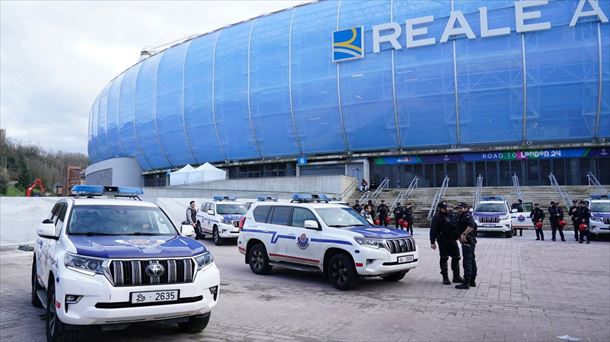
[54, 212]
[299, 215]
[202, 207]
[260, 213]
[280, 216]
[61, 215]
[213, 207]
[206, 206]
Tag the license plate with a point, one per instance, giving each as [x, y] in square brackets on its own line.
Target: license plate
[406, 258]
[154, 296]
[489, 225]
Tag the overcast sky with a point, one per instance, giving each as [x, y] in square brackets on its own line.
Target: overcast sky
[55, 57]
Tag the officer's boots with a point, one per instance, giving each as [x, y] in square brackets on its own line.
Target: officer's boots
[472, 283]
[445, 272]
[455, 268]
[465, 285]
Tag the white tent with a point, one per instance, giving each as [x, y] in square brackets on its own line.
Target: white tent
[207, 173]
[181, 176]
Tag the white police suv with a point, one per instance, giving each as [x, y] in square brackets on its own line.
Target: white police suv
[105, 260]
[220, 218]
[491, 214]
[599, 206]
[310, 234]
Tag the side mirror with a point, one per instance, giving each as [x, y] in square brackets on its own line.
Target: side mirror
[513, 210]
[187, 230]
[211, 212]
[47, 230]
[311, 224]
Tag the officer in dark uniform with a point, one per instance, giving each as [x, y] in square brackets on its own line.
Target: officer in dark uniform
[397, 212]
[584, 215]
[383, 211]
[537, 215]
[519, 206]
[408, 216]
[556, 215]
[573, 213]
[467, 229]
[444, 231]
[357, 207]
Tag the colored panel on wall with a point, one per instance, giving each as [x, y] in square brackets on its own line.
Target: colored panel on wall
[113, 117]
[102, 133]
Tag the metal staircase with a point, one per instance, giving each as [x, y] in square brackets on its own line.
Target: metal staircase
[478, 190]
[564, 195]
[598, 189]
[517, 188]
[437, 198]
[373, 195]
[404, 194]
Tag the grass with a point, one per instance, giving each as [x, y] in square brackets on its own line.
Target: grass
[14, 192]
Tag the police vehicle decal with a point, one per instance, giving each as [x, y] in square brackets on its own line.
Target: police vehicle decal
[232, 217]
[380, 233]
[303, 241]
[315, 261]
[275, 237]
[340, 242]
[131, 247]
[600, 215]
[521, 218]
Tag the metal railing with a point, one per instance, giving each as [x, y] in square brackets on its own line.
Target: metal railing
[564, 195]
[437, 198]
[477, 192]
[517, 187]
[404, 194]
[593, 182]
[349, 190]
[374, 194]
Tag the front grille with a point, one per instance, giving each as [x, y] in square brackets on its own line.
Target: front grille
[400, 245]
[489, 219]
[133, 272]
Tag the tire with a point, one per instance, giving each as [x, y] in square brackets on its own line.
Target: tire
[199, 232]
[341, 272]
[508, 235]
[258, 259]
[216, 237]
[195, 324]
[396, 276]
[56, 330]
[35, 287]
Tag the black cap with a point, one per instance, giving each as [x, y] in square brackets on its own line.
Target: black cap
[442, 205]
[574, 201]
[552, 202]
[462, 205]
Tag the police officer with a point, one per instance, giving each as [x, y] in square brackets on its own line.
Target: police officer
[556, 215]
[397, 212]
[467, 229]
[357, 206]
[583, 216]
[408, 216]
[573, 213]
[191, 218]
[519, 206]
[382, 212]
[537, 215]
[444, 231]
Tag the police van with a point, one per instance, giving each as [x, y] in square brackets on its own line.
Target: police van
[599, 206]
[309, 233]
[105, 259]
[220, 218]
[491, 214]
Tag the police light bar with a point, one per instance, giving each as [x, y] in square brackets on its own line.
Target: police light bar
[492, 198]
[309, 198]
[224, 198]
[597, 197]
[266, 199]
[100, 190]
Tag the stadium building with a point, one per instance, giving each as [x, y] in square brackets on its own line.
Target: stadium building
[372, 89]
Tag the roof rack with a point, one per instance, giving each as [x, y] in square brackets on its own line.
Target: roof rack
[266, 198]
[309, 198]
[91, 191]
[219, 198]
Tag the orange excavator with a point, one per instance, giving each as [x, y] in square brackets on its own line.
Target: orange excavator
[36, 184]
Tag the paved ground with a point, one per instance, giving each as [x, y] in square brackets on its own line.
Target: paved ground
[528, 291]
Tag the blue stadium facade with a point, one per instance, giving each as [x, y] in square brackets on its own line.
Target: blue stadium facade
[317, 80]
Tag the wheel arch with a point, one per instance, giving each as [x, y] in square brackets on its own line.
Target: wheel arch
[251, 243]
[332, 252]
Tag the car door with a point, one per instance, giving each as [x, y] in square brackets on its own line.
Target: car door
[277, 232]
[301, 249]
[203, 218]
[58, 215]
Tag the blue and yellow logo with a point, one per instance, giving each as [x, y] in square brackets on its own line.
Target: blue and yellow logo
[348, 44]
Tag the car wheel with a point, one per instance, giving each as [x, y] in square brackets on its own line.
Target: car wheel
[258, 259]
[199, 232]
[57, 331]
[195, 324]
[396, 276]
[342, 272]
[35, 287]
[216, 237]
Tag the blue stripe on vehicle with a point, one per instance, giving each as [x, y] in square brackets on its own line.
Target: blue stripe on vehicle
[340, 242]
[275, 237]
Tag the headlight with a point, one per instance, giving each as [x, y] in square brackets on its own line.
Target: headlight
[204, 260]
[86, 265]
[373, 243]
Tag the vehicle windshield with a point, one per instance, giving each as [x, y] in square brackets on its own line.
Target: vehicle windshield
[491, 208]
[341, 217]
[226, 209]
[119, 220]
[600, 207]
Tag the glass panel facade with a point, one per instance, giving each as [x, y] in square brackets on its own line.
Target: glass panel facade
[113, 118]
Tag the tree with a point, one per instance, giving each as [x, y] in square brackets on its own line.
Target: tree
[3, 184]
[23, 178]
